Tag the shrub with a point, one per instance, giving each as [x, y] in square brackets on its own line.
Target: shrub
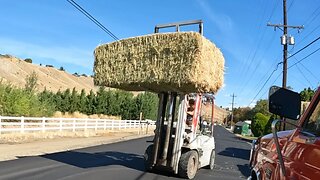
[28, 60]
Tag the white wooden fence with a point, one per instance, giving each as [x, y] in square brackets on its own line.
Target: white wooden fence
[31, 124]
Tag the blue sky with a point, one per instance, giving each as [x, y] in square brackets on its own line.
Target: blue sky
[54, 32]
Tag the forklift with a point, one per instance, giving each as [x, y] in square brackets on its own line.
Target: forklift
[183, 141]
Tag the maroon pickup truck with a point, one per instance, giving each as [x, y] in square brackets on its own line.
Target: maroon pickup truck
[291, 154]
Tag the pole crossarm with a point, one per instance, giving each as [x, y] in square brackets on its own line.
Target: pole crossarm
[284, 26]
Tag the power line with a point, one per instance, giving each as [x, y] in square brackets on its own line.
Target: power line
[94, 20]
[304, 76]
[265, 83]
[304, 58]
[290, 66]
[304, 47]
[309, 20]
[310, 72]
[271, 83]
[246, 70]
[292, 2]
[305, 37]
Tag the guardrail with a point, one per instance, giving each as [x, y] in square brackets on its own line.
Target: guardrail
[43, 124]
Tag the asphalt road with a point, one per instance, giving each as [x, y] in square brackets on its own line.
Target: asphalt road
[124, 160]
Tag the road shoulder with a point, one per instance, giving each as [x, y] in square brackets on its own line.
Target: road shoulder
[35, 148]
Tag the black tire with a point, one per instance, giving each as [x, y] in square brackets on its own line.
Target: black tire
[188, 164]
[148, 164]
[212, 159]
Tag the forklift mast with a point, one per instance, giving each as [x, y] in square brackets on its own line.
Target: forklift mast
[171, 128]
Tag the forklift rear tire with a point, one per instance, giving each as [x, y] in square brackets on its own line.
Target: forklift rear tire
[148, 158]
[188, 164]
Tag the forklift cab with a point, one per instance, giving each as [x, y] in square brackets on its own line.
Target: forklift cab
[180, 146]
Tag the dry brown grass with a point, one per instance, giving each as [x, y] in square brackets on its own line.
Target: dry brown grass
[14, 71]
[77, 114]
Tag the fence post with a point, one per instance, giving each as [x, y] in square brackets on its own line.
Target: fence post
[104, 125]
[112, 124]
[74, 125]
[60, 124]
[43, 124]
[147, 127]
[22, 125]
[86, 125]
[96, 126]
[119, 124]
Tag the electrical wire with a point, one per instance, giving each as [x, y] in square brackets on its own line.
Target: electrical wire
[289, 66]
[246, 70]
[94, 20]
[304, 58]
[305, 37]
[271, 83]
[310, 72]
[265, 82]
[292, 2]
[304, 75]
[304, 48]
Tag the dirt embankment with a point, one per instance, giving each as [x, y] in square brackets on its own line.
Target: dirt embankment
[14, 70]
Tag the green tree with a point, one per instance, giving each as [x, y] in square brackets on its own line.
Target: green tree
[267, 128]
[91, 103]
[58, 101]
[31, 82]
[20, 102]
[102, 102]
[28, 60]
[127, 105]
[307, 94]
[74, 101]
[82, 101]
[66, 96]
[147, 103]
[61, 68]
[259, 124]
[261, 107]
[241, 114]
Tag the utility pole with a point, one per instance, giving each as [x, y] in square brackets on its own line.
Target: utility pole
[285, 40]
[232, 104]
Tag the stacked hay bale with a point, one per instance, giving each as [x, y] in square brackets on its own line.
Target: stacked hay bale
[182, 62]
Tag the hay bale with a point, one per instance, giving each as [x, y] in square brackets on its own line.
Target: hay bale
[181, 62]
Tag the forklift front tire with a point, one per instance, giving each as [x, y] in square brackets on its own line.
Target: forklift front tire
[188, 164]
[148, 158]
[212, 159]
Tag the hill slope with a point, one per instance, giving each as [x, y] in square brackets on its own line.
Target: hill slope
[15, 71]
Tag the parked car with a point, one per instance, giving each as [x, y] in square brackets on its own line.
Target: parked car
[291, 154]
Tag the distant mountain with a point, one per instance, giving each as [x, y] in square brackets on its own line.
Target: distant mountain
[14, 70]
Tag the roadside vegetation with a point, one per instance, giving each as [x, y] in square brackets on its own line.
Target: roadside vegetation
[260, 116]
[28, 102]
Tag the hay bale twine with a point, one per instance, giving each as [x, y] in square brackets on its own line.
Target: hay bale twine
[182, 62]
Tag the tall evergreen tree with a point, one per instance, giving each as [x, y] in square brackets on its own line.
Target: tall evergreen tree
[66, 100]
[102, 101]
[91, 103]
[82, 101]
[58, 98]
[74, 101]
